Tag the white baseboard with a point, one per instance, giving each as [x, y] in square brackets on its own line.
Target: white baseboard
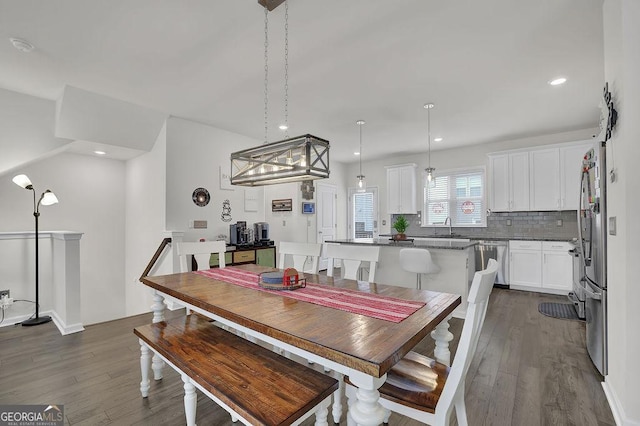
[616, 408]
[15, 320]
[62, 327]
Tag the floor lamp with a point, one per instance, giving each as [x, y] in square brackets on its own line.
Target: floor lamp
[46, 199]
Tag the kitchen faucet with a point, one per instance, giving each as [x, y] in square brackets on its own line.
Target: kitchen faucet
[448, 219]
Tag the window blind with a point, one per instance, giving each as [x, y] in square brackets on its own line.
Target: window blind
[459, 195]
[363, 215]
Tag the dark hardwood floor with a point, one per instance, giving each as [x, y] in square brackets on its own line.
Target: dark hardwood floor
[528, 370]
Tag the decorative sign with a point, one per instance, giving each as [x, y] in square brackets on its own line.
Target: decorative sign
[468, 207]
[225, 180]
[226, 211]
[200, 197]
[437, 208]
[282, 205]
[609, 115]
[252, 199]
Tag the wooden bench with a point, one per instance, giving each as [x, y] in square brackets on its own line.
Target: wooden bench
[252, 383]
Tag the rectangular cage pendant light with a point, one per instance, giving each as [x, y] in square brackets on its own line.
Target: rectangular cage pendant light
[296, 159]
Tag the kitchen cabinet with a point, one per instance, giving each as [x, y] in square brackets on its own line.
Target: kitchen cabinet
[509, 180]
[401, 189]
[557, 266]
[544, 165]
[555, 177]
[571, 166]
[525, 263]
[543, 266]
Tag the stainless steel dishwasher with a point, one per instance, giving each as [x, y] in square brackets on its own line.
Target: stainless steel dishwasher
[494, 249]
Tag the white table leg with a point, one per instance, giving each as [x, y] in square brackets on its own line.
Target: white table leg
[442, 336]
[366, 409]
[145, 364]
[190, 401]
[158, 316]
[322, 413]
[337, 399]
[158, 307]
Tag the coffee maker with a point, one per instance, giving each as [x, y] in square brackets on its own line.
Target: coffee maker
[261, 232]
[239, 234]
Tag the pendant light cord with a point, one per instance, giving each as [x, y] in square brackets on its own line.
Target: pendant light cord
[429, 133]
[266, 74]
[360, 123]
[286, 68]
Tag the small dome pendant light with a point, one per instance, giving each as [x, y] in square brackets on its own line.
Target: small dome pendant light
[362, 184]
[431, 179]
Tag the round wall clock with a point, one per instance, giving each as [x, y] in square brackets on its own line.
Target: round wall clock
[201, 197]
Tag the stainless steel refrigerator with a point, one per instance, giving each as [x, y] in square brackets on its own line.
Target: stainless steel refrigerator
[592, 234]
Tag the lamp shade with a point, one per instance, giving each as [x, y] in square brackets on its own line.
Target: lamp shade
[22, 180]
[49, 198]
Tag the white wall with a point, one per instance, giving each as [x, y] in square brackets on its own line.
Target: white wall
[145, 220]
[26, 122]
[91, 194]
[298, 227]
[195, 153]
[468, 156]
[622, 67]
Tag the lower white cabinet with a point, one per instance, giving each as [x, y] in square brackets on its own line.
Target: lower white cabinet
[544, 266]
[557, 266]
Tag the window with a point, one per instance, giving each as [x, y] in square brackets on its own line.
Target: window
[363, 213]
[459, 195]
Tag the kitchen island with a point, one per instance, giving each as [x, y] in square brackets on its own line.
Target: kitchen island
[455, 257]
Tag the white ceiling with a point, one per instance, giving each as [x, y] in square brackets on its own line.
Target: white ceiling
[485, 64]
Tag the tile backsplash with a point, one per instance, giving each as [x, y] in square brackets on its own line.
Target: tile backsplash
[561, 225]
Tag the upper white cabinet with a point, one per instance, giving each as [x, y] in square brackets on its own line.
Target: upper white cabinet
[545, 179]
[509, 177]
[401, 189]
[571, 168]
[542, 179]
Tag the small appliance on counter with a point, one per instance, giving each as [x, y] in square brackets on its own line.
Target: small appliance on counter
[239, 235]
[261, 231]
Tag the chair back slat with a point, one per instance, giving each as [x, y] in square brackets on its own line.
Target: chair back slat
[300, 253]
[201, 251]
[352, 258]
[476, 311]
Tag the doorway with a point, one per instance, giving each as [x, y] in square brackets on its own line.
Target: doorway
[363, 213]
[326, 216]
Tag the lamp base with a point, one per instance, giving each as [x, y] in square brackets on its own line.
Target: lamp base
[36, 321]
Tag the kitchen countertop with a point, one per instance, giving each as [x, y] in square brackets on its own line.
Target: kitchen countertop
[427, 244]
[486, 238]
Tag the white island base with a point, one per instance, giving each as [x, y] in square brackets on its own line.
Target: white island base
[457, 267]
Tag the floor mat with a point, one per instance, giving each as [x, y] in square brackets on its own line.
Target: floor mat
[558, 310]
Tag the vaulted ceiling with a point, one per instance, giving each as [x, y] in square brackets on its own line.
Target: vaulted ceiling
[485, 64]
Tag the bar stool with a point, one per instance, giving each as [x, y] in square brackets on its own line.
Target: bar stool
[419, 262]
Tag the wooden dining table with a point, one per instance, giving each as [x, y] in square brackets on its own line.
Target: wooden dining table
[358, 346]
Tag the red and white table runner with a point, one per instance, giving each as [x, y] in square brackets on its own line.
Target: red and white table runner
[368, 304]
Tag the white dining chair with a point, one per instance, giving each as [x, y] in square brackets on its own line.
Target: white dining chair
[300, 254]
[419, 262]
[352, 257]
[426, 390]
[201, 251]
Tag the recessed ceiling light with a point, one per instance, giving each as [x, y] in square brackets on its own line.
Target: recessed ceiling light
[22, 45]
[283, 127]
[356, 153]
[100, 152]
[437, 140]
[558, 81]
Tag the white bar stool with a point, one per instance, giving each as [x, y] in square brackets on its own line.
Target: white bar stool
[419, 262]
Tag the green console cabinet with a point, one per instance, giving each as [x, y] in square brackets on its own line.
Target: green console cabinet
[265, 256]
